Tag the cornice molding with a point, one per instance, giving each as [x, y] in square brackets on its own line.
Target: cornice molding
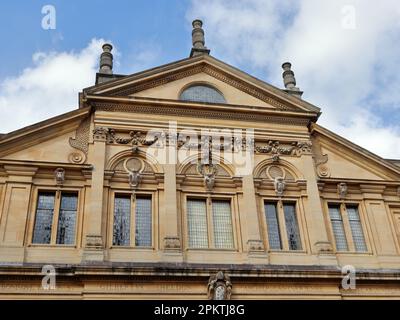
[182, 110]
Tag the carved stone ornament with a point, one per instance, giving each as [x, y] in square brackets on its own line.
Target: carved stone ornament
[100, 134]
[59, 175]
[323, 247]
[279, 185]
[94, 241]
[276, 148]
[255, 245]
[219, 287]
[342, 189]
[172, 243]
[208, 171]
[134, 179]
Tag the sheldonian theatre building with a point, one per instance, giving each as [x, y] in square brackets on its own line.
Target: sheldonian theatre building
[194, 180]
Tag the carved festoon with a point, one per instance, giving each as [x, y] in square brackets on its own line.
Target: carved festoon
[209, 172]
[100, 134]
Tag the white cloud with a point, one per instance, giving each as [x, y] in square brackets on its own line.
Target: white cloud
[352, 74]
[49, 88]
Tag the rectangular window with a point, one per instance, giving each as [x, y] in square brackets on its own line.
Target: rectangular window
[222, 223]
[282, 225]
[338, 229]
[56, 211]
[346, 224]
[67, 218]
[292, 228]
[122, 220]
[132, 213]
[271, 215]
[44, 218]
[356, 229]
[197, 223]
[143, 222]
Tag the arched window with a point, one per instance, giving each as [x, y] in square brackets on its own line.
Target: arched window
[202, 93]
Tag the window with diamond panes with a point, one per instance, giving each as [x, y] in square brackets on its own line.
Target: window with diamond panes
[292, 227]
[282, 225]
[67, 218]
[197, 223]
[356, 229]
[122, 220]
[132, 223]
[202, 93]
[338, 228]
[222, 222]
[271, 215]
[44, 218]
[55, 211]
[143, 221]
[346, 225]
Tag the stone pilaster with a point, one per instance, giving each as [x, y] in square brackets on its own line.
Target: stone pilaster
[94, 242]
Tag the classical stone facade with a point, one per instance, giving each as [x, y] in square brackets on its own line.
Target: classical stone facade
[132, 196]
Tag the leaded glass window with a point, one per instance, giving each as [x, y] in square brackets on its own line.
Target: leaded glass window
[44, 218]
[122, 220]
[271, 215]
[337, 227]
[356, 229]
[222, 223]
[202, 93]
[292, 228]
[143, 221]
[67, 218]
[197, 223]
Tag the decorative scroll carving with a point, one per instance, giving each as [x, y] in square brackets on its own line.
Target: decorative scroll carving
[342, 189]
[172, 243]
[320, 160]
[219, 287]
[279, 185]
[59, 175]
[76, 157]
[81, 140]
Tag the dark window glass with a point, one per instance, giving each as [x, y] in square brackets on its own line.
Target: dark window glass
[292, 227]
[271, 215]
[122, 220]
[44, 218]
[67, 218]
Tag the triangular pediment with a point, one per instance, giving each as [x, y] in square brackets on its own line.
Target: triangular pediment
[338, 158]
[166, 82]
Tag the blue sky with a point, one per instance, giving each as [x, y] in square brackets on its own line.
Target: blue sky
[345, 54]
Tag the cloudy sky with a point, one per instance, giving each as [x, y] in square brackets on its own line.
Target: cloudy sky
[345, 54]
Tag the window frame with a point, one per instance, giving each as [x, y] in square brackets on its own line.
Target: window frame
[204, 84]
[210, 224]
[282, 224]
[343, 205]
[132, 231]
[54, 226]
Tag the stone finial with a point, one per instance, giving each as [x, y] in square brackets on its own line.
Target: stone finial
[106, 59]
[198, 39]
[289, 80]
